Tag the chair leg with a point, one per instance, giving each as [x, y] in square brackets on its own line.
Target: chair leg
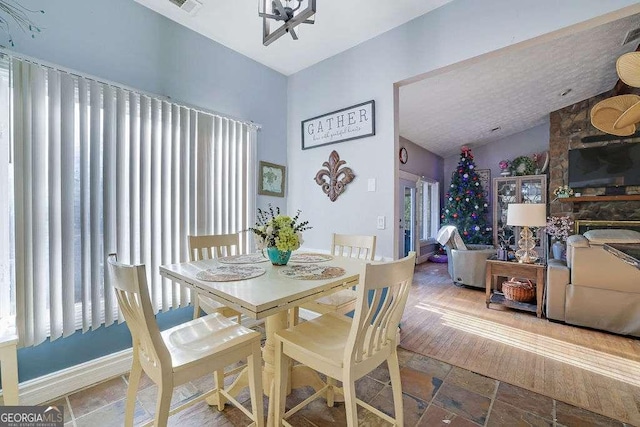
[218, 381]
[239, 318]
[331, 391]
[349, 388]
[254, 363]
[132, 390]
[163, 404]
[281, 364]
[396, 386]
[294, 314]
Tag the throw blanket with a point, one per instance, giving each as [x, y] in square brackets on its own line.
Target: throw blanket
[448, 236]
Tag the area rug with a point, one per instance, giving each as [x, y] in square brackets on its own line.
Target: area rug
[590, 369]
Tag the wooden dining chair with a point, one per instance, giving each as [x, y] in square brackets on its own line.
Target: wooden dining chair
[183, 353]
[342, 302]
[347, 349]
[210, 247]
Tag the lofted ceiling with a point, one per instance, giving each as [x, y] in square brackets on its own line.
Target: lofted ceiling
[513, 91]
[339, 26]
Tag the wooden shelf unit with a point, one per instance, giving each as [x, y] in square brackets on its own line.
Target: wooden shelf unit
[620, 198]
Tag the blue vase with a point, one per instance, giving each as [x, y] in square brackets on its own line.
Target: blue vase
[559, 251]
[277, 256]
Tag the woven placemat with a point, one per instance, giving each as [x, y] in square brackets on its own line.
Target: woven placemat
[243, 259]
[312, 272]
[230, 273]
[310, 258]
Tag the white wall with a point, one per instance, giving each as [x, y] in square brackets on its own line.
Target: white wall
[460, 30]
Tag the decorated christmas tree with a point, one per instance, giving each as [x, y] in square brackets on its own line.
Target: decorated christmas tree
[466, 202]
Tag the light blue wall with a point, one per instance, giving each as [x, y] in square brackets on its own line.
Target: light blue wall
[525, 143]
[422, 161]
[458, 31]
[124, 42]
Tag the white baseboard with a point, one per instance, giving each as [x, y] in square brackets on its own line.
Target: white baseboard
[57, 384]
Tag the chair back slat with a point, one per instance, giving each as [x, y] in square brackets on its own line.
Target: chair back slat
[353, 246]
[382, 297]
[213, 246]
[132, 293]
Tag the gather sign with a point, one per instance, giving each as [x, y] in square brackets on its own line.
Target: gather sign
[357, 121]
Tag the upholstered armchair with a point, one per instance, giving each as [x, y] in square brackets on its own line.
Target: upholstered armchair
[594, 288]
[467, 263]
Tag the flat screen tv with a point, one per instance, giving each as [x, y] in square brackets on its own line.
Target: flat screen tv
[606, 166]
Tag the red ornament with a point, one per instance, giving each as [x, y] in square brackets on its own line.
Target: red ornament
[465, 233]
[455, 215]
[457, 199]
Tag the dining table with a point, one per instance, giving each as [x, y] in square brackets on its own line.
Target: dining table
[269, 296]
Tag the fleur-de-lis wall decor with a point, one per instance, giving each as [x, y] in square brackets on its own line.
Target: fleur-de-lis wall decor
[329, 178]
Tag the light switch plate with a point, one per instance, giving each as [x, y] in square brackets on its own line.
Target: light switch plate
[381, 223]
[371, 184]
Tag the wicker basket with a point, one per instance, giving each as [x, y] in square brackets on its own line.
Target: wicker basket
[515, 290]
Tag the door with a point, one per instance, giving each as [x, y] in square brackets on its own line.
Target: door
[407, 243]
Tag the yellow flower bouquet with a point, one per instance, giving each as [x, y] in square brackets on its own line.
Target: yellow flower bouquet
[275, 231]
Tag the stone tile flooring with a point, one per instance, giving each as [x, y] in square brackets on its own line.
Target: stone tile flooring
[435, 394]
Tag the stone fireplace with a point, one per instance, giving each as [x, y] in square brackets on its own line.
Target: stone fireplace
[568, 126]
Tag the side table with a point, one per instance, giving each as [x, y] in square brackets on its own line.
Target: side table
[534, 272]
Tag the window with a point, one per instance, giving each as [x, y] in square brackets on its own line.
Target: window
[428, 204]
[7, 252]
[102, 169]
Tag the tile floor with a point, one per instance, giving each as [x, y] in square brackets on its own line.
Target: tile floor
[435, 394]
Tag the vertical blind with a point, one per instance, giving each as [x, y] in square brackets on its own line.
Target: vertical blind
[101, 169]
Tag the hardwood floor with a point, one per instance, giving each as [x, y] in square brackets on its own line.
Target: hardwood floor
[590, 369]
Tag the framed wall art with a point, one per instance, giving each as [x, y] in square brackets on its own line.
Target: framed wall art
[357, 121]
[271, 179]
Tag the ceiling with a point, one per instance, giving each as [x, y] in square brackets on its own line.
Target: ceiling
[514, 91]
[339, 26]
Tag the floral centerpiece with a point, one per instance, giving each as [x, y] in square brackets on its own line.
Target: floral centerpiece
[278, 234]
[563, 191]
[559, 228]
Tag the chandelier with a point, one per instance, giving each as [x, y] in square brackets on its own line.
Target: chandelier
[290, 13]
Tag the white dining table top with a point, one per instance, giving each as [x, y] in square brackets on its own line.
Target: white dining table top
[267, 294]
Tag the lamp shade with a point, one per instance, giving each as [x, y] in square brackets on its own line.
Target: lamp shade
[529, 214]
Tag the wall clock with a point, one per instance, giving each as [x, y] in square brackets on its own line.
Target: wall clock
[404, 156]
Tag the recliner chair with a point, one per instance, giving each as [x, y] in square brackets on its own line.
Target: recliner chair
[467, 263]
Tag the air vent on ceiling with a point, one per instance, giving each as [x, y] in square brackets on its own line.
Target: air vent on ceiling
[632, 36]
[189, 6]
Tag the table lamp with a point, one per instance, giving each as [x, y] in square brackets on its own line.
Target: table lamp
[527, 215]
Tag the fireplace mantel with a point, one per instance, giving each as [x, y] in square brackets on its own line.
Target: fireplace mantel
[585, 199]
[582, 225]
[619, 198]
